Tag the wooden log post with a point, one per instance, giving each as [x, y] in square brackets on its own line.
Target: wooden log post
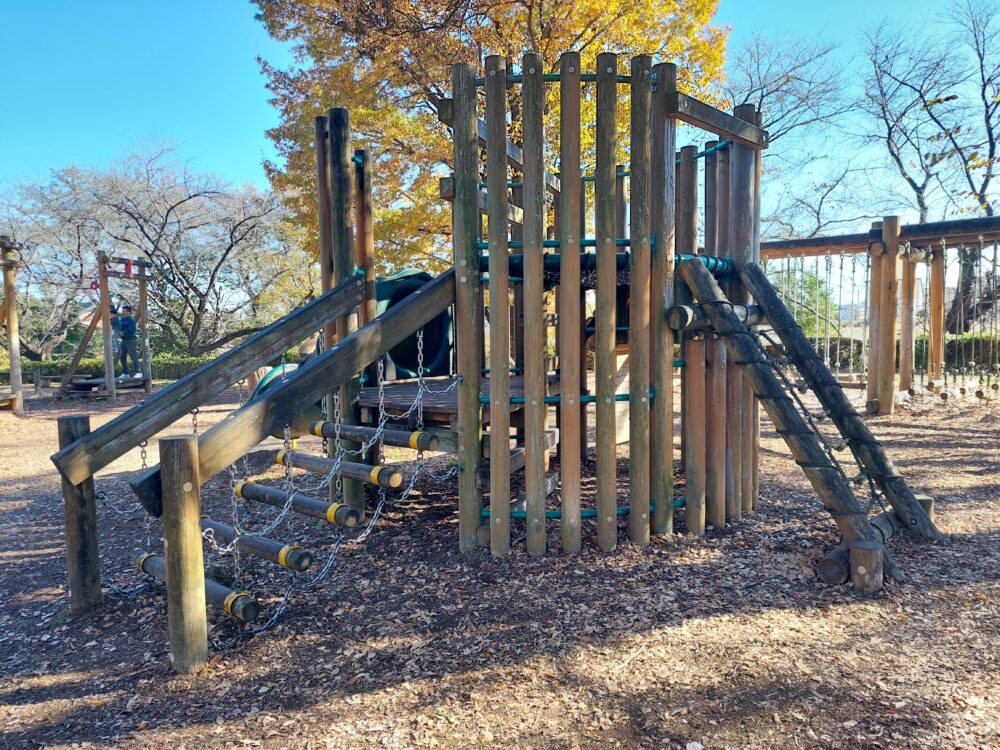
[907, 324]
[570, 309]
[831, 396]
[13, 330]
[364, 231]
[108, 333]
[935, 361]
[755, 405]
[833, 490]
[468, 303]
[80, 515]
[639, 305]
[889, 297]
[147, 360]
[661, 293]
[715, 375]
[734, 378]
[694, 436]
[605, 318]
[866, 565]
[186, 617]
[498, 228]
[876, 253]
[533, 69]
[342, 245]
[743, 167]
[687, 244]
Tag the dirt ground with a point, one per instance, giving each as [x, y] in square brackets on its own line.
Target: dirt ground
[728, 641]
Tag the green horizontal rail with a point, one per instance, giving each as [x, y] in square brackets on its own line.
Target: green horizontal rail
[588, 261]
[585, 513]
[552, 78]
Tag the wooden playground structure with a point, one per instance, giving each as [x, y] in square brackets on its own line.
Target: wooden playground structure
[666, 305]
[9, 260]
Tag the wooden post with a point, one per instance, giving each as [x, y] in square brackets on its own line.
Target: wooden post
[570, 318]
[687, 244]
[734, 378]
[754, 403]
[13, 330]
[936, 325]
[888, 294]
[866, 565]
[109, 352]
[743, 170]
[876, 257]
[694, 435]
[186, 616]
[364, 250]
[468, 302]
[532, 68]
[661, 293]
[907, 324]
[341, 240]
[147, 362]
[496, 196]
[715, 351]
[639, 342]
[80, 514]
[605, 318]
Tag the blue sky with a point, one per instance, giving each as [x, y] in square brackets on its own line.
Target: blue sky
[81, 81]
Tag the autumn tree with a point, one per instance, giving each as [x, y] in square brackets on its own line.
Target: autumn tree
[389, 63]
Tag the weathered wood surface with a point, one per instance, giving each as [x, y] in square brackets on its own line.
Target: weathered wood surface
[866, 565]
[80, 515]
[89, 455]
[706, 117]
[67, 377]
[833, 490]
[639, 300]
[694, 436]
[694, 318]
[225, 442]
[831, 396]
[286, 555]
[570, 319]
[885, 376]
[237, 604]
[105, 307]
[604, 348]
[185, 563]
[382, 476]
[661, 293]
[499, 232]
[936, 323]
[364, 240]
[335, 513]
[907, 324]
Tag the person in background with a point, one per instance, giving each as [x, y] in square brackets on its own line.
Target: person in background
[129, 343]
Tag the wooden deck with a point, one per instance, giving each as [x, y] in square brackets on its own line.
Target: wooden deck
[439, 407]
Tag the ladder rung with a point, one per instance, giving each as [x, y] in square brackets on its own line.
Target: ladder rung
[338, 514]
[382, 476]
[289, 556]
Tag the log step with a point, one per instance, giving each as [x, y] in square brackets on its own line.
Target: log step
[381, 476]
[339, 514]
[237, 604]
[418, 440]
[289, 556]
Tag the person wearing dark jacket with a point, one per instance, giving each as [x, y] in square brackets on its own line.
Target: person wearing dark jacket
[128, 347]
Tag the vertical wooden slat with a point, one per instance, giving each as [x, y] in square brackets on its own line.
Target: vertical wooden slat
[889, 295]
[687, 243]
[342, 244]
[468, 301]
[661, 292]
[734, 378]
[755, 402]
[80, 514]
[694, 458]
[364, 249]
[639, 215]
[876, 257]
[147, 365]
[186, 618]
[109, 352]
[715, 355]
[534, 330]
[584, 382]
[517, 314]
[907, 327]
[570, 323]
[936, 325]
[605, 319]
[13, 330]
[323, 214]
[743, 213]
[496, 194]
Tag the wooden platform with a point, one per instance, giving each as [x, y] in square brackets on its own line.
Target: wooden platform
[94, 387]
[439, 408]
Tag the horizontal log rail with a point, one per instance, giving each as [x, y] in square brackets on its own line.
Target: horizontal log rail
[225, 442]
[93, 452]
[952, 232]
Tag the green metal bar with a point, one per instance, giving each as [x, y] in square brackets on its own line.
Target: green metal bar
[585, 513]
[551, 78]
[718, 266]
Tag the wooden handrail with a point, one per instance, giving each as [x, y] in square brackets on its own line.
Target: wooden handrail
[225, 442]
[99, 448]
